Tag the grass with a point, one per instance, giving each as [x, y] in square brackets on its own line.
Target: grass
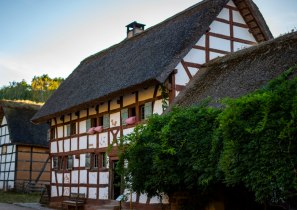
[14, 197]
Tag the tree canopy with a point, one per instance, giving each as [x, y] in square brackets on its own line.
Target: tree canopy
[39, 90]
[250, 141]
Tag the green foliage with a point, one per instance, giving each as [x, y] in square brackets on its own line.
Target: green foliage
[260, 140]
[251, 142]
[173, 152]
[40, 89]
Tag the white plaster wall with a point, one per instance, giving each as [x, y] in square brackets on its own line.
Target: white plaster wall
[73, 144]
[237, 18]
[92, 193]
[59, 178]
[67, 178]
[146, 93]
[9, 149]
[243, 33]
[60, 132]
[116, 137]
[4, 121]
[53, 191]
[129, 99]
[114, 104]
[128, 131]
[231, 3]
[181, 76]
[60, 190]
[83, 142]
[66, 191]
[82, 126]
[103, 108]
[195, 56]
[83, 176]
[201, 41]
[103, 193]
[158, 107]
[92, 141]
[115, 119]
[53, 177]
[83, 190]
[220, 28]
[192, 70]
[92, 111]
[74, 189]
[66, 145]
[213, 55]
[60, 145]
[103, 140]
[240, 46]
[82, 160]
[220, 44]
[93, 177]
[224, 14]
[155, 200]
[142, 198]
[74, 176]
[103, 177]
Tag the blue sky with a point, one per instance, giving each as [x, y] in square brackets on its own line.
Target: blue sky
[52, 36]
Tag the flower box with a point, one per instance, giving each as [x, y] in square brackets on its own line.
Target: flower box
[91, 131]
[98, 129]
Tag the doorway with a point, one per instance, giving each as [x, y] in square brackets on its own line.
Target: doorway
[116, 181]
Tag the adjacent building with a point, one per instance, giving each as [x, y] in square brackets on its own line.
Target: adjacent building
[24, 158]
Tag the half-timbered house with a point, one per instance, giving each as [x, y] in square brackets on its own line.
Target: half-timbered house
[113, 90]
[23, 147]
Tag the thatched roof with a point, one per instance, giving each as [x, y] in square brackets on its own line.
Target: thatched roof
[241, 72]
[21, 130]
[147, 58]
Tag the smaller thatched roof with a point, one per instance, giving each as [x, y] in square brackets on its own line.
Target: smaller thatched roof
[21, 130]
[241, 72]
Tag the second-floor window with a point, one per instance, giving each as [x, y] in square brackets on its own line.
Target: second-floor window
[69, 165]
[71, 129]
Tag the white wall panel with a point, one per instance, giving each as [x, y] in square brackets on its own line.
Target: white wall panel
[103, 193]
[59, 178]
[74, 177]
[83, 142]
[74, 189]
[93, 178]
[82, 160]
[53, 147]
[155, 200]
[213, 55]
[66, 145]
[53, 177]
[83, 190]
[92, 193]
[158, 107]
[224, 14]
[115, 119]
[220, 44]
[237, 17]
[103, 177]
[53, 191]
[60, 143]
[220, 28]
[73, 144]
[103, 140]
[231, 3]
[181, 76]
[83, 176]
[142, 198]
[240, 46]
[82, 126]
[60, 131]
[92, 141]
[195, 56]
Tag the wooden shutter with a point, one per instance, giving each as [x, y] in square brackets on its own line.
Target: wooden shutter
[88, 124]
[88, 161]
[68, 133]
[106, 121]
[70, 162]
[148, 110]
[124, 115]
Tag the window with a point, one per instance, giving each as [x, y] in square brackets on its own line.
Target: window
[61, 163]
[132, 112]
[91, 161]
[92, 122]
[52, 133]
[69, 165]
[145, 111]
[88, 161]
[100, 121]
[103, 160]
[71, 129]
[55, 162]
[106, 121]
[126, 113]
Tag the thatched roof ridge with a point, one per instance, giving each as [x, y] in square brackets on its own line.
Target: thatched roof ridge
[147, 58]
[241, 72]
[21, 131]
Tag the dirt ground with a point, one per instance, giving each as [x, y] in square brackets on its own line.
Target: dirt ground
[22, 206]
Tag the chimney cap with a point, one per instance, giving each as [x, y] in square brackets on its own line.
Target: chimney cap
[133, 25]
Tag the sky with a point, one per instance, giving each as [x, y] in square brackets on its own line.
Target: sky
[53, 36]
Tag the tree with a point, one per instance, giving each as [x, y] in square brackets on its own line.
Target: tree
[16, 91]
[173, 152]
[260, 141]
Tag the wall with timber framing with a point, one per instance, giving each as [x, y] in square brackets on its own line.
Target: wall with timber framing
[228, 33]
[79, 161]
[31, 166]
